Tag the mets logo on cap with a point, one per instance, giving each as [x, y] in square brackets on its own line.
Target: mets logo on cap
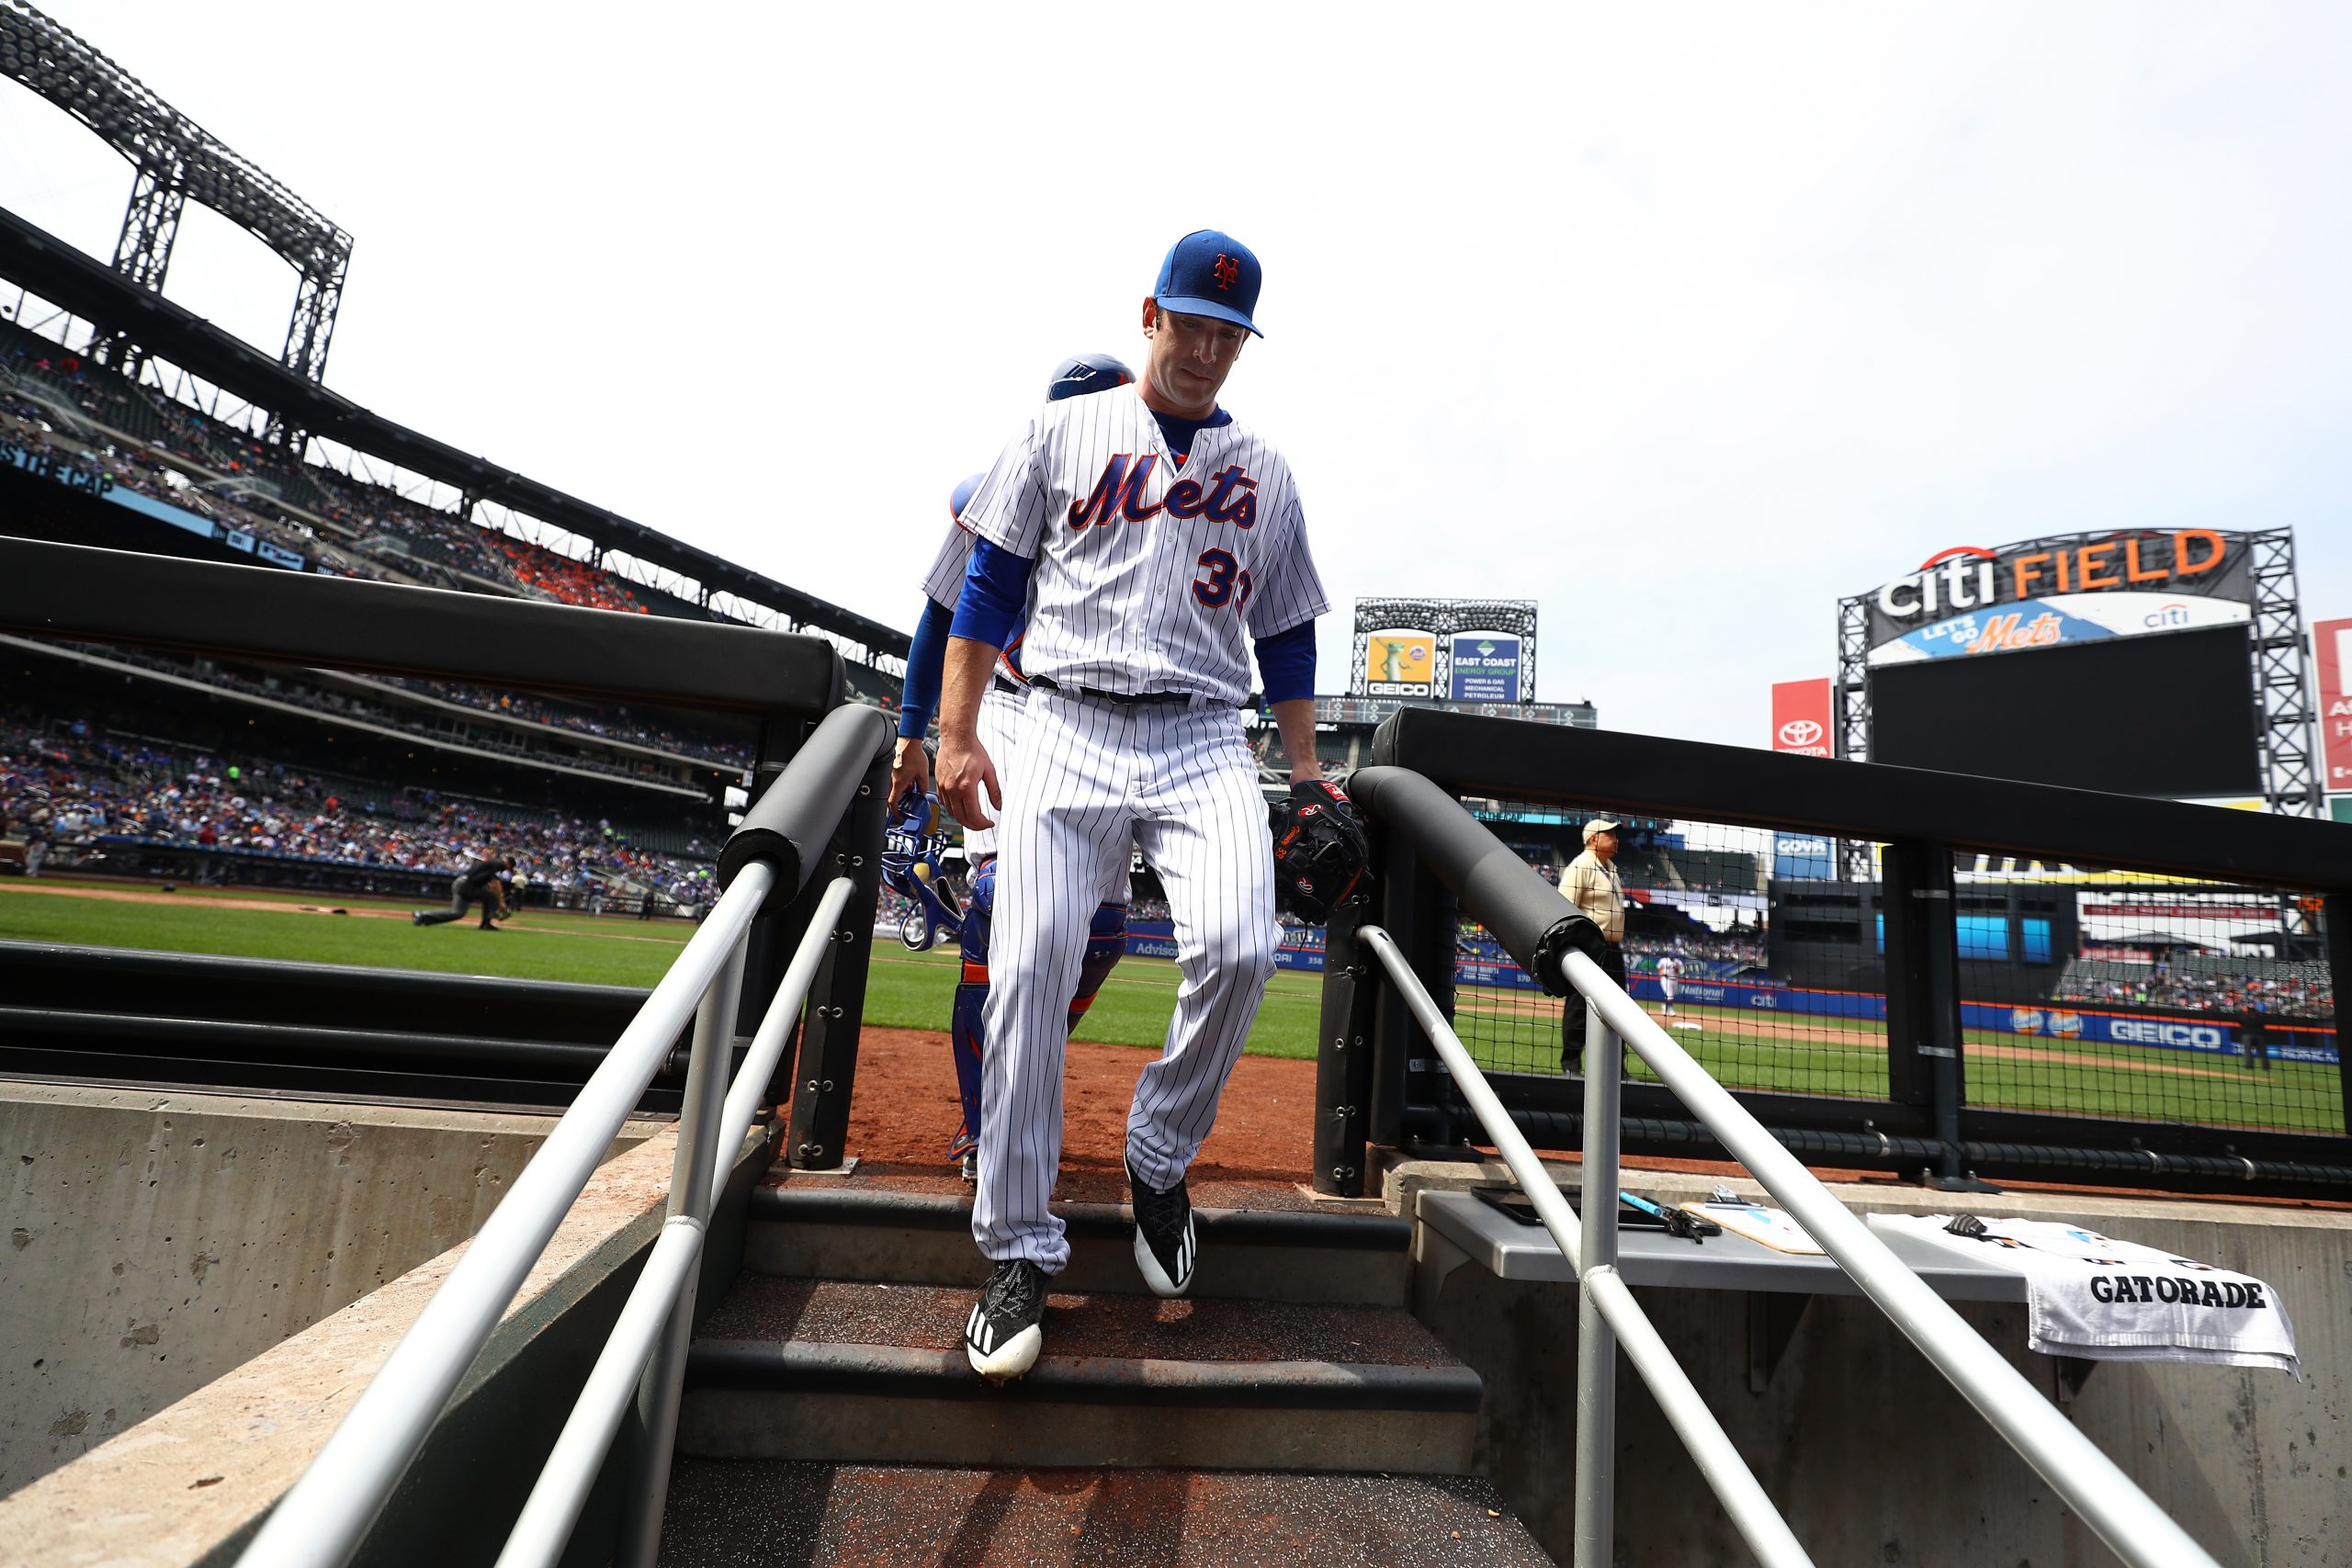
[1210, 274]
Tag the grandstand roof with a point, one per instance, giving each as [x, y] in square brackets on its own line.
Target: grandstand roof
[66, 275]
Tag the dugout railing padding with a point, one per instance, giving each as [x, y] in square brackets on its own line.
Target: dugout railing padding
[1436, 864]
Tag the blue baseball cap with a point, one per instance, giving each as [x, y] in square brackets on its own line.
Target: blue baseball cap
[1210, 274]
[1086, 373]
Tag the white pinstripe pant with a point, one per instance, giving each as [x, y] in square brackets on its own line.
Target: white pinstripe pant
[1178, 784]
[998, 725]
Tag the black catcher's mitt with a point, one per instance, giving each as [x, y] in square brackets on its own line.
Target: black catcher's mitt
[1320, 854]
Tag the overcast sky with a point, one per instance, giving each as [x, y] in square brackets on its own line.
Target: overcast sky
[1682, 328]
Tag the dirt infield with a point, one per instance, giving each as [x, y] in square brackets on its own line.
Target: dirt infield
[904, 1110]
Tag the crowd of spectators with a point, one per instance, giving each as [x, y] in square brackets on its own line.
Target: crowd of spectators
[2286, 994]
[73, 791]
[618, 724]
[411, 539]
[1742, 944]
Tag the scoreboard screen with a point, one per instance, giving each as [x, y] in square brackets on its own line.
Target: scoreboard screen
[2167, 713]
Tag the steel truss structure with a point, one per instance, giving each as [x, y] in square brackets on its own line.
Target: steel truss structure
[174, 160]
[1441, 618]
[2279, 659]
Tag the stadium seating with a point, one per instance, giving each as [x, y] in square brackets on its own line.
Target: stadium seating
[177, 455]
[2195, 983]
[82, 790]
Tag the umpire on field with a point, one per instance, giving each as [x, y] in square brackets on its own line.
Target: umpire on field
[1591, 884]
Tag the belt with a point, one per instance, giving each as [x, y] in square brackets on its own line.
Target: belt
[1005, 683]
[1120, 699]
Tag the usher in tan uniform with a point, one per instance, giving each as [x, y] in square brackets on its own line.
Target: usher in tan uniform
[1597, 890]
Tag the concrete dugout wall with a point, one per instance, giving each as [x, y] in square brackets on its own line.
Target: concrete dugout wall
[1874, 1458]
[158, 1239]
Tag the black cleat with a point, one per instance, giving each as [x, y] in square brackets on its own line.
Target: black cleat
[1001, 1337]
[1165, 1245]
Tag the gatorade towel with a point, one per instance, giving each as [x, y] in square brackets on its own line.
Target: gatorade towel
[2093, 1296]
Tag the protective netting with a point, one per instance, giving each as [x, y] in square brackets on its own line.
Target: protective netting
[2145, 998]
[1742, 942]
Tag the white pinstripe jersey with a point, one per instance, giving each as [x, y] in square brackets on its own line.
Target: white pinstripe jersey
[1150, 577]
[944, 584]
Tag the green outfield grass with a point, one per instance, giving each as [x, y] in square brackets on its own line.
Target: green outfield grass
[1790, 1053]
[915, 990]
[905, 990]
[1836, 1055]
[535, 946]
[1848, 1056]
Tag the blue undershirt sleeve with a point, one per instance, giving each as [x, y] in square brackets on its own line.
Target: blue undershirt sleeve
[1287, 662]
[996, 588]
[926, 663]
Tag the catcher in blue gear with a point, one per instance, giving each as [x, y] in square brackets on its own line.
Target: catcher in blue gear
[911, 779]
[911, 848]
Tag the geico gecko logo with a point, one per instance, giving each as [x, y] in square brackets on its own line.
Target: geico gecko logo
[1970, 577]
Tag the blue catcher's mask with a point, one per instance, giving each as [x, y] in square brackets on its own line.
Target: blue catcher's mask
[910, 855]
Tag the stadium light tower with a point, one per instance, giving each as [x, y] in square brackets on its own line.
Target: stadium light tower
[174, 160]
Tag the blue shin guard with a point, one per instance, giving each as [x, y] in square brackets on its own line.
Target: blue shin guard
[964, 1033]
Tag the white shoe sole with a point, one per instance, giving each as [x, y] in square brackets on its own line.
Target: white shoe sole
[1156, 1276]
[1012, 1358]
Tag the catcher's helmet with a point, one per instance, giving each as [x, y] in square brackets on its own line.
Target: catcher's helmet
[1086, 373]
[961, 498]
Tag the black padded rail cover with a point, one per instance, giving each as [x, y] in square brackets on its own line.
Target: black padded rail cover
[1497, 889]
[795, 819]
[77, 593]
[1646, 775]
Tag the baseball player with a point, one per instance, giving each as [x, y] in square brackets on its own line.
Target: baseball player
[484, 880]
[1001, 707]
[1670, 971]
[1152, 539]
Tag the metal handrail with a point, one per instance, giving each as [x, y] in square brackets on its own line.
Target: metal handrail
[543, 1528]
[329, 1509]
[2088, 1482]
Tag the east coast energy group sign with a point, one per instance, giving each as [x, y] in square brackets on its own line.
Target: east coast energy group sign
[2082, 587]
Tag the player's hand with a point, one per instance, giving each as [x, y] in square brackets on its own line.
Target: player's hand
[910, 769]
[965, 775]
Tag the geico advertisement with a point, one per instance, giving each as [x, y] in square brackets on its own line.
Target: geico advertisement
[1980, 600]
[1399, 663]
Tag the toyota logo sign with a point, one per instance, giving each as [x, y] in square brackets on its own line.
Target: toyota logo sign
[1801, 732]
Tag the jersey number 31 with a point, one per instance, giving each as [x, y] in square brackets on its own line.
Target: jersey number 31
[1220, 583]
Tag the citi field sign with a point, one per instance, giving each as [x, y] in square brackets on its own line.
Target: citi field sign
[1968, 600]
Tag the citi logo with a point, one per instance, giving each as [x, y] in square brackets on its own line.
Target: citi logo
[2172, 615]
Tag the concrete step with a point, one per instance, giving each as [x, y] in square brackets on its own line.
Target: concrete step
[869, 1373]
[766, 1514]
[1273, 1255]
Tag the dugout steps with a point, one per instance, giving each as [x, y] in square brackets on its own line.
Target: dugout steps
[831, 1513]
[918, 1238]
[842, 1343]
